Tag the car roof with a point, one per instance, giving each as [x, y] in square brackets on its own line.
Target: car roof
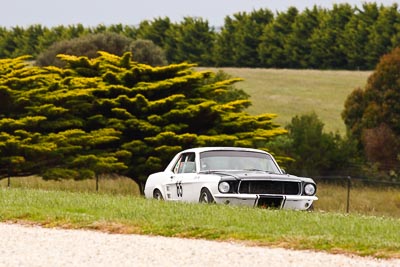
[203, 149]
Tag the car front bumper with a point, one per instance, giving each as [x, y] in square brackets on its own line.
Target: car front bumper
[267, 201]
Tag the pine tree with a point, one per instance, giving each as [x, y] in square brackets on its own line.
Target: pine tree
[110, 114]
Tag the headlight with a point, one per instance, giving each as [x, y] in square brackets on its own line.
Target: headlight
[224, 187]
[309, 189]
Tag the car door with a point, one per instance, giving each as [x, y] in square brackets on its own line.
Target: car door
[173, 186]
[179, 186]
[188, 179]
[173, 189]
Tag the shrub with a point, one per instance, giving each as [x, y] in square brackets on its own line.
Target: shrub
[87, 45]
[145, 51]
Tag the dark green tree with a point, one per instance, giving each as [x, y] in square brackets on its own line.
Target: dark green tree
[327, 51]
[190, 41]
[298, 46]
[224, 45]
[237, 43]
[314, 152]
[11, 42]
[356, 36]
[155, 30]
[273, 47]
[380, 39]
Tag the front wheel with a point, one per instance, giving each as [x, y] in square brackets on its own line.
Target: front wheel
[205, 196]
[157, 195]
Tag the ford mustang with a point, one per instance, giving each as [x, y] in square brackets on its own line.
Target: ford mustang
[231, 175]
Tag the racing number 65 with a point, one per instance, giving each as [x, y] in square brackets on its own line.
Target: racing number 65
[179, 189]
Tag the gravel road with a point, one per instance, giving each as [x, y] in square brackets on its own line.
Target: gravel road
[35, 246]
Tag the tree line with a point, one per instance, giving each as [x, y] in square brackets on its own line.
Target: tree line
[342, 37]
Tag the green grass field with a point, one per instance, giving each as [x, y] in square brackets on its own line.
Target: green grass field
[331, 232]
[371, 201]
[288, 93]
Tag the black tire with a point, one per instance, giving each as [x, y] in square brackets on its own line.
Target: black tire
[205, 196]
[157, 194]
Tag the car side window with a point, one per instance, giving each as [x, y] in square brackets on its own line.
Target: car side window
[186, 163]
[177, 164]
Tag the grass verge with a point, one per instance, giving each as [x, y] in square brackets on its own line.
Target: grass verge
[372, 200]
[331, 232]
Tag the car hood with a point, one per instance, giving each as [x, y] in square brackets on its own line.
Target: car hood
[258, 175]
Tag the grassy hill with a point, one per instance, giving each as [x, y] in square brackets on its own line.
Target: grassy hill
[295, 92]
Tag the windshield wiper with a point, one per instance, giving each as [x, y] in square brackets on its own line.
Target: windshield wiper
[257, 170]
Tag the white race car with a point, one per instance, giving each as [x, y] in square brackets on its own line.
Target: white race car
[230, 175]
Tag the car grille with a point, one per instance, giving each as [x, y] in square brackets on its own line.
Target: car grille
[269, 187]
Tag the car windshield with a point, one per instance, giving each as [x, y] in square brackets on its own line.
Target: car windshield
[237, 160]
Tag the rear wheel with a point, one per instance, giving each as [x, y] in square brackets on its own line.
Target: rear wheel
[205, 196]
[157, 195]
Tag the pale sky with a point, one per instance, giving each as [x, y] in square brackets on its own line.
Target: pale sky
[131, 12]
